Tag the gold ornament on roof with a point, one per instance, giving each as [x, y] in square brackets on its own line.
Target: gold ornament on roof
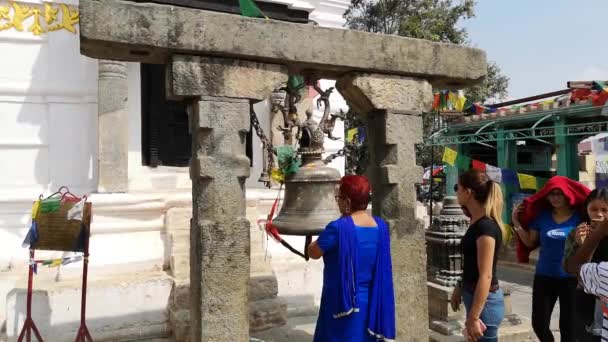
[38, 20]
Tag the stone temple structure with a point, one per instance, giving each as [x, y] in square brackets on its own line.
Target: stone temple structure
[222, 64]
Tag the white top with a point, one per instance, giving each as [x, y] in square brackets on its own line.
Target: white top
[595, 280]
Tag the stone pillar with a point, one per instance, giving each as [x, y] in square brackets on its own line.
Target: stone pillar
[394, 106]
[220, 231]
[113, 127]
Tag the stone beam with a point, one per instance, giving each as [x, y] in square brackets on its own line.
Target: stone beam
[220, 231]
[195, 75]
[124, 30]
[393, 106]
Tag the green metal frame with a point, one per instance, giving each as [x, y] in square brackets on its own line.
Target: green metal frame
[451, 135]
[541, 125]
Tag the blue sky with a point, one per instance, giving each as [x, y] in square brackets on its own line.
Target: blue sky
[542, 44]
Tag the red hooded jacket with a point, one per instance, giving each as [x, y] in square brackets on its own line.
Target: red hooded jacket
[575, 192]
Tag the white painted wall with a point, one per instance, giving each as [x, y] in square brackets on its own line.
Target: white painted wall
[48, 125]
[48, 138]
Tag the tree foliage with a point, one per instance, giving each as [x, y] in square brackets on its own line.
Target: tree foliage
[435, 20]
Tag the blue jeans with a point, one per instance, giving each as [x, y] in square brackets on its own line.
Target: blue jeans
[492, 313]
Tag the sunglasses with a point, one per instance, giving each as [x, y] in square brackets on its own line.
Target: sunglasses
[455, 187]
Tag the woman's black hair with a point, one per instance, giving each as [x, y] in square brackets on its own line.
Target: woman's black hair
[597, 194]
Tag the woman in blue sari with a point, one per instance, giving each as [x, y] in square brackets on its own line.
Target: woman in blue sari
[357, 301]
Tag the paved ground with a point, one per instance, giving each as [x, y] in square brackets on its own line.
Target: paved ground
[300, 329]
[521, 281]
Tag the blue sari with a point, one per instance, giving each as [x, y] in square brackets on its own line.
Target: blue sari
[357, 302]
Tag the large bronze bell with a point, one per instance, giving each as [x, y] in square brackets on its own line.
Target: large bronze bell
[309, 201]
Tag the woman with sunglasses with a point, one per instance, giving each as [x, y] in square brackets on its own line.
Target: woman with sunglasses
[357, 300]
[544, 220]
[481, 201]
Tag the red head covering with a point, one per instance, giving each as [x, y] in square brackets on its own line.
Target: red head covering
[357, 189]
[575, 192]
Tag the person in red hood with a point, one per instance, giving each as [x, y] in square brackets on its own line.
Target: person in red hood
[544, 220]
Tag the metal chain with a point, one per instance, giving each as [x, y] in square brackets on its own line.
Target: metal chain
[347, 150]
[266, 145]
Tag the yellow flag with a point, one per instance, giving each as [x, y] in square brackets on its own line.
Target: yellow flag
[277, 176]
[35, 209]
[56, 262]
[460, 101]
[350, 135]
[527, 181]
[449, 156]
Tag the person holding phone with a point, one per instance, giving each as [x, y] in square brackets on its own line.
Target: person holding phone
[588, 321]
[481, 201]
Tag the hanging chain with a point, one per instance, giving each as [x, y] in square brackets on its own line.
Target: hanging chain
[347, 150]
[267, 146]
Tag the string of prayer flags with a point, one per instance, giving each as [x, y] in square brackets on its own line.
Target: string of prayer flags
[56, 262]
[527, 181]
[449, 156]
[497, 174]
[449, 100]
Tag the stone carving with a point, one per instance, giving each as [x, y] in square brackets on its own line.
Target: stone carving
[444, 258]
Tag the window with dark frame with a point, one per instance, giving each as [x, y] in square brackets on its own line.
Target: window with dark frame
[165, 138]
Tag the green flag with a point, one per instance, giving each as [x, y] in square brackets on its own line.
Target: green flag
[250, 9]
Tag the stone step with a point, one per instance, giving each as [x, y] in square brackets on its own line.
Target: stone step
[179, 242]
[180, 265]
[267, 313]
[119, 308]
[263, 287]
[178, 219]
[180, 322]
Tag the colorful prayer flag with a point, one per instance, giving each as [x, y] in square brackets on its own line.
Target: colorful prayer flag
[601, 97]
[463, 162]
[460, 101]
[35, 209]
[509, 177]
[250, 9]
[361, 134]
[527, 181]
[494, 173]
[449, 156]
[50, 205]
[32, 236]
[350, 134]
[436, 101]
[477, 165]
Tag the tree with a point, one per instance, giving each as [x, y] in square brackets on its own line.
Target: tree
[435, 20]
[492, 89]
